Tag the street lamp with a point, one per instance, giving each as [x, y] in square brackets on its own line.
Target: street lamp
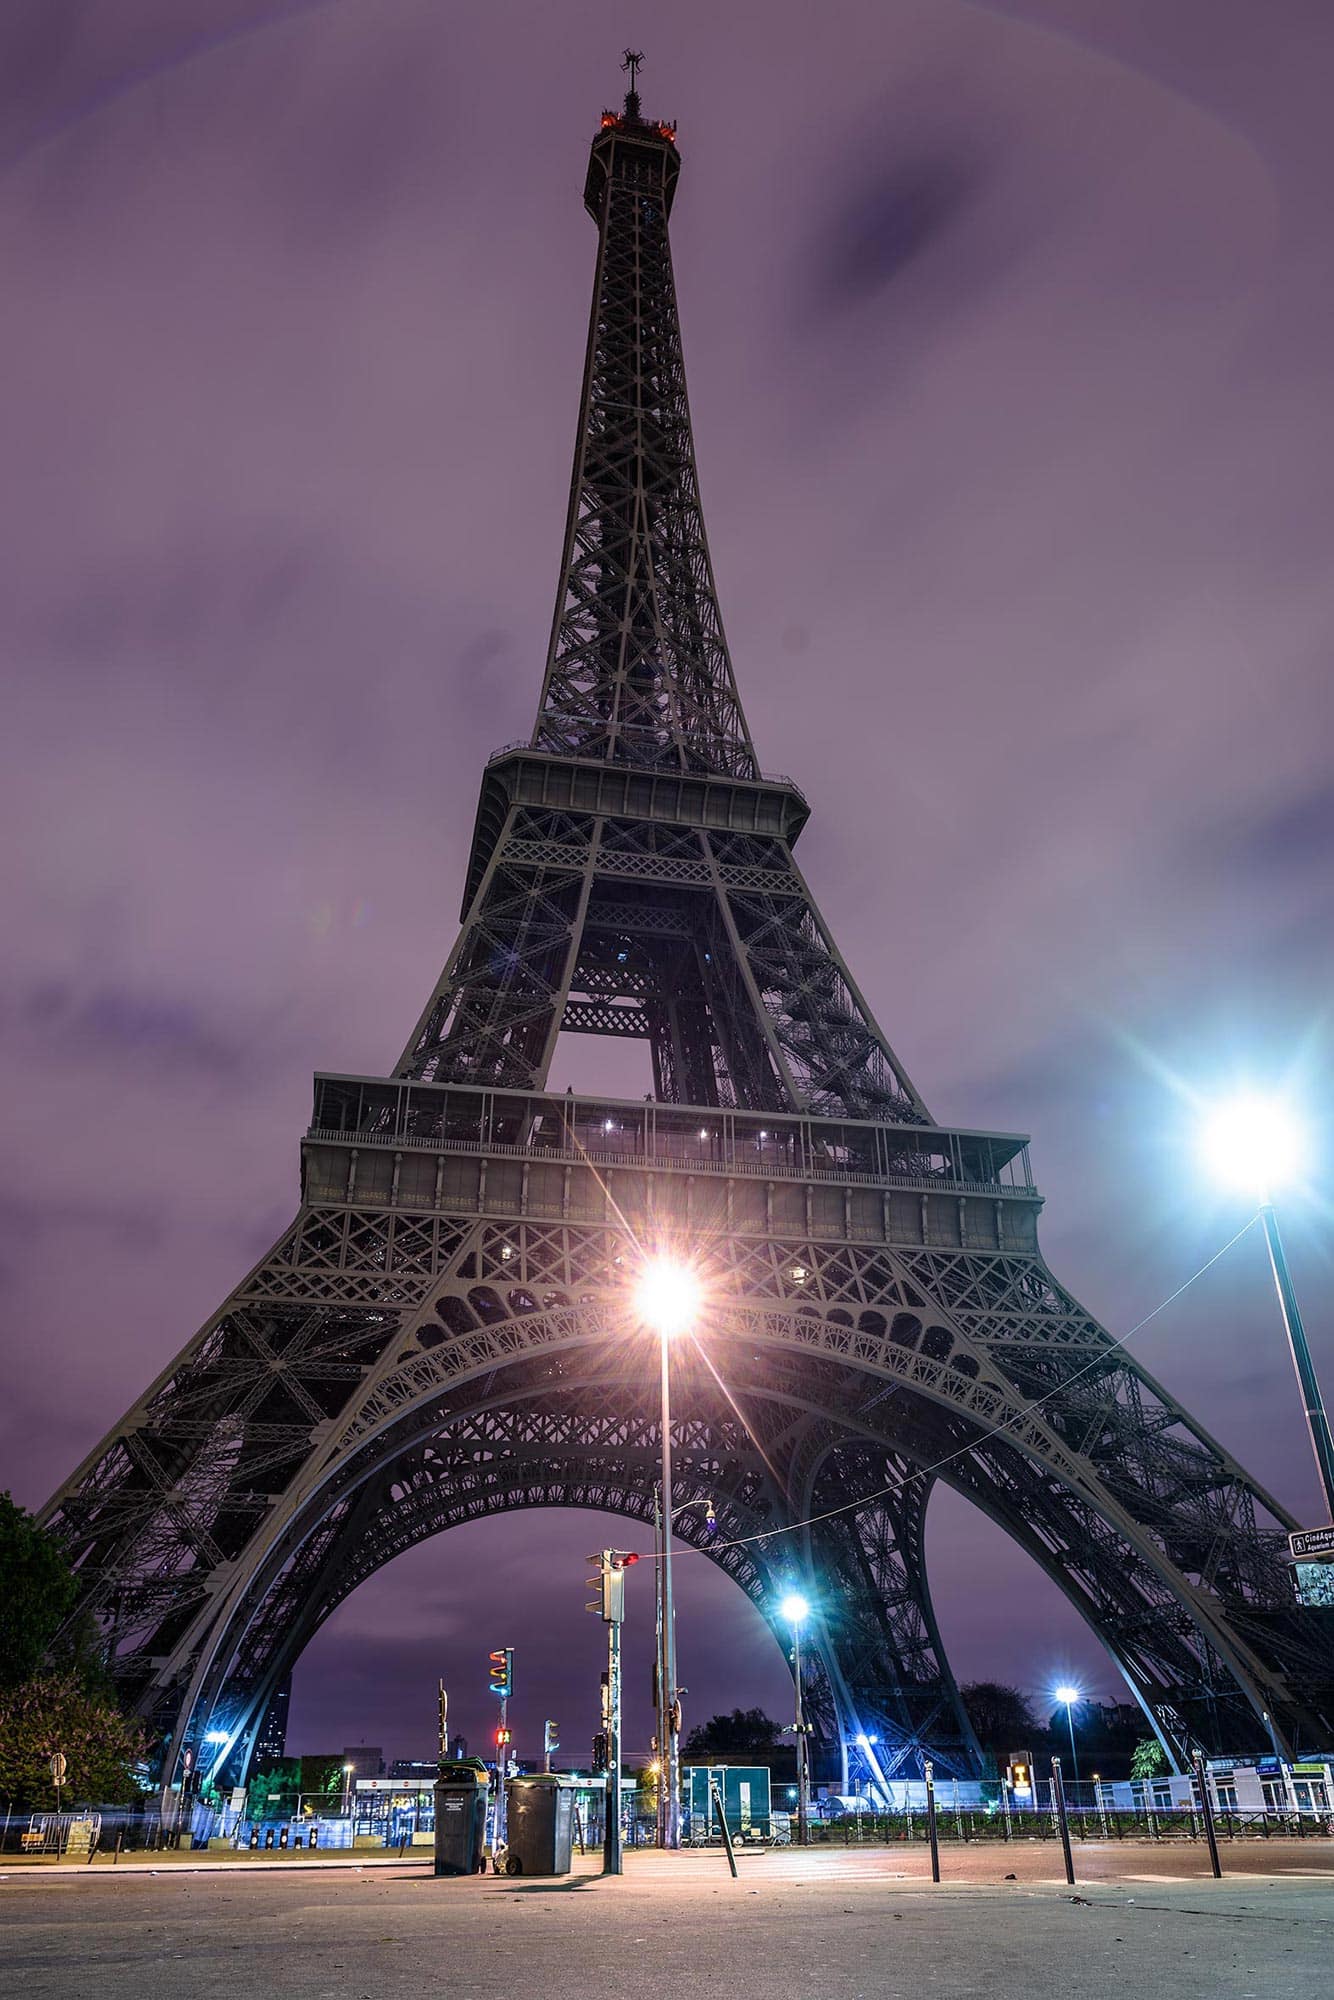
[667, 1298]
[1068, 1696]
[1255, 1143]
[796, 1611]
[348, 1769]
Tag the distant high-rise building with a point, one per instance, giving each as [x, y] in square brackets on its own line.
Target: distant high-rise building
[271, 1740]
[458, 1747]
[413, 1767]
[366, 1759]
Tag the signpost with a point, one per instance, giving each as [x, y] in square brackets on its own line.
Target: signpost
[1312, 1554]
[59, 1766]
[1311, 1542]
[609, 1605]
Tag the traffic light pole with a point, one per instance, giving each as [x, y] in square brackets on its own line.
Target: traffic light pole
[502, 1764]
[611, 1837]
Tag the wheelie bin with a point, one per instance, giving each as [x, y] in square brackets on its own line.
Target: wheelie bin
[460, 1819]
[539, 1824]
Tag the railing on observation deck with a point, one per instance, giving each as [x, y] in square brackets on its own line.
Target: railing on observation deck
[649, 770]
[463, 1118]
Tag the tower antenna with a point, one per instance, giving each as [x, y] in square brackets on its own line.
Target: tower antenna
[631, 61]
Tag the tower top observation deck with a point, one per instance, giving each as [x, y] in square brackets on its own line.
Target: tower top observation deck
[630, 146]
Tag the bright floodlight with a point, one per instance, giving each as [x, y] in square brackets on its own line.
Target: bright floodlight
[217, 1736]
[667, 1295]
[794, 1608]
[1068, 1696]
[1254, 1143]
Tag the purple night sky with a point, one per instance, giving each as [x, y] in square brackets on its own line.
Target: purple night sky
[1010, 332]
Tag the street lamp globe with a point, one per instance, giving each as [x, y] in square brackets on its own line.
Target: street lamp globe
[794, 1608]
[1068, 1696]
[667, 1296]
[1253, 1143]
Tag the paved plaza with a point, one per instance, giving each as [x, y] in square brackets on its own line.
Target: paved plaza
[823, 1925]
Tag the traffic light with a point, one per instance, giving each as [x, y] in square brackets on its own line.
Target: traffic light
[601, 1752]
[609, 1583]
[503, 1736]
[550, 1738]
[502, 1672]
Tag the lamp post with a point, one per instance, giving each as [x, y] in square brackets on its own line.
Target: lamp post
[1254, 1143]
[348, 1769]
[668, 1299]
[796, 1610]
[1068, 1696]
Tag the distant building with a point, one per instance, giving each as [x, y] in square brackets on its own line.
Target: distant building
[366, 1759]
[271, 1742]
[413, 1767]
[458, 1747]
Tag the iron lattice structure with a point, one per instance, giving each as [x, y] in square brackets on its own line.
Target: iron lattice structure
[444, 1330]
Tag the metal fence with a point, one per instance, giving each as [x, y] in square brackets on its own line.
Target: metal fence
[970, 1824]
[110, 1831]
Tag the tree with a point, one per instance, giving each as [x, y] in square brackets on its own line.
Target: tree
[743, 1733]
[54, 1691]
[105, 1751]
[273, 1792]
[1147, 1759]
[1001, 1716]
[36, 1592]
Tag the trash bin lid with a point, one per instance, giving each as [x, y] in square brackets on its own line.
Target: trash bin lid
[559, 1778]
[472, 1773]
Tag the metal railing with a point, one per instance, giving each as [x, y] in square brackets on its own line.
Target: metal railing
[658, 1156]
[763, 777]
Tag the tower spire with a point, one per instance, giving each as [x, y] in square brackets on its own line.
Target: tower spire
[631, 61]
[638, 670]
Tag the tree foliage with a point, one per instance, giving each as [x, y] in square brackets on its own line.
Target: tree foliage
[105, 1751]
[743, 1733]
[54, 1694]
[36, 1592]
[1002, 1717]
[1147, 1758]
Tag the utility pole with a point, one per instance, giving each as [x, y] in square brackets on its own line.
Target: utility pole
[670, 1739]
[661, 1696]
[611, 1834]
[502, 1685]
[609, 1604]
[803, 1771]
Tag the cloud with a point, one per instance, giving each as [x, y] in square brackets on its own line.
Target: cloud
[908, 208]
[113, 1024]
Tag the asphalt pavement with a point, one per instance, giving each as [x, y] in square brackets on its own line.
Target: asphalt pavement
[828, 1924]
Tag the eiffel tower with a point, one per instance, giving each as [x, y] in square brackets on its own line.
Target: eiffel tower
[446, 1330]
